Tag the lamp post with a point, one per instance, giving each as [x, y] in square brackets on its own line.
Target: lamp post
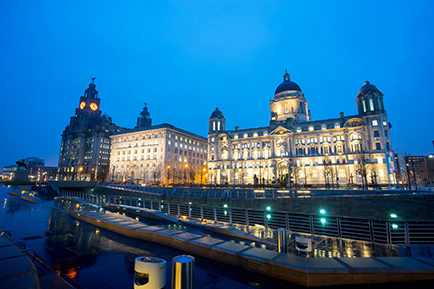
[81, 173]
[113, 174]
[185, 173]
[168, 175]
[408, 176]
[203, 174]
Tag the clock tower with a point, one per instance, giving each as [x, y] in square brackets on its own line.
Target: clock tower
[85, 147]
[89, 102]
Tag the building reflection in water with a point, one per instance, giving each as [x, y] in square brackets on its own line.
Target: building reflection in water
[326, 247]
[69, 244]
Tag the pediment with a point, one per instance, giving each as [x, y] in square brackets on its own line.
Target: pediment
[280, 130]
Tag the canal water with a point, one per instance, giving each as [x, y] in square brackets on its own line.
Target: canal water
[89, 257]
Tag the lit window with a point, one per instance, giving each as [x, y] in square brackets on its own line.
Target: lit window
[311, 128]
[298, 129]
[323, 126]
[236, 136]
[245, 135]
[337, 125]
[371, 104]
[364, 106]
[379, 160]
[374, 122]
[384, 123]
[255, 134]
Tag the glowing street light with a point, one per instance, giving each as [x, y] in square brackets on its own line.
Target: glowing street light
[268, 208]
[394, 216]
[322, 211]
[395, 226]
[323, 221]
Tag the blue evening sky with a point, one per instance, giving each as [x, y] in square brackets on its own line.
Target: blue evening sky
[185, 58]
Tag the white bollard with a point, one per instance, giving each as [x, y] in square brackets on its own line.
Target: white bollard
[303, 244]
[150, 272]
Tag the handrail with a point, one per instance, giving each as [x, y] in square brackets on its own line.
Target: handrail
[370, 230]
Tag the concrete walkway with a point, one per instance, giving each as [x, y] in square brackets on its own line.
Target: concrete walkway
[295, 269]
[212, 227]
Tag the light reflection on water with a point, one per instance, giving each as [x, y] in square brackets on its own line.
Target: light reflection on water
[323, 247]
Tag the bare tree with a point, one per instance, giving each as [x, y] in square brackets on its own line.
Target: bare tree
[156, 172]
[242, 174]
[192, 174]
[363, 166]
[328, 173]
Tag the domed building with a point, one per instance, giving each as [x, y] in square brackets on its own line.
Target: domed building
[294, 149]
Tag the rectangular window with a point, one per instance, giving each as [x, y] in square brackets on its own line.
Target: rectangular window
[364, 106]
[371, 104]
[377, 146]
[376, 133]
[375, 122]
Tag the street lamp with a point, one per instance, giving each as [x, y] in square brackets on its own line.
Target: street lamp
[203, 173]
[113, 174]
[168, 175]
[408, 176]
[185, 173]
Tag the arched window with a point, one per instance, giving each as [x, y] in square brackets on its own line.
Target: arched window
[314, 174]
[301, 175]
[245, 154]
[342, 174]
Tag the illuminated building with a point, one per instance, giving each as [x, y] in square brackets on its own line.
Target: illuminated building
[293, 148]
[85, 148]
[157, 154]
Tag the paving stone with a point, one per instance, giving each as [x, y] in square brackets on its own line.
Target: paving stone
[15, 266]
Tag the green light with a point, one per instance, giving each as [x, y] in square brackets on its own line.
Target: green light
[268, 208]
[189, 203]
[393, 215]
[226, 212]
[395, 226]
[322, 211]
[225, 205]
[323, 221]
[268, 216]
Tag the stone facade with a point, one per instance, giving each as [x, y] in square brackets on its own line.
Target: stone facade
[85, 148]
[293, 148]
[157, 154]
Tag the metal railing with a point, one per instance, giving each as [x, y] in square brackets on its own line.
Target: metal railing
[227, 193]
[375, 231]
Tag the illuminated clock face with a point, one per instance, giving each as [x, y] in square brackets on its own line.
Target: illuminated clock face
[93, 106]
[82, 104]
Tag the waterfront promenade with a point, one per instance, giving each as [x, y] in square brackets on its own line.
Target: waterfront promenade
[90, 257]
